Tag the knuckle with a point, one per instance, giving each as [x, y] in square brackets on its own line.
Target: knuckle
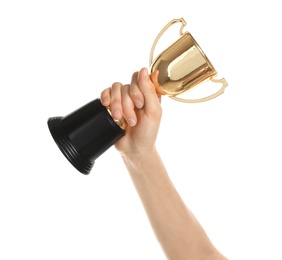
[135, 95]
[116, 85]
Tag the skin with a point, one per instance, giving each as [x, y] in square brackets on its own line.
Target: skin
[179, 233]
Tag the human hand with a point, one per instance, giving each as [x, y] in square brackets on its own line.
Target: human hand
[139, 104]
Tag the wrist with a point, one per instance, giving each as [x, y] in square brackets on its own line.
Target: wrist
[139, 160]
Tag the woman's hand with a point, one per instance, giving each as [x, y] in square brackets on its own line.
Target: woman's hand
[139, 104]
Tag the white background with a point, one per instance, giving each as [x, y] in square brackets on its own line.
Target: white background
[224, 156]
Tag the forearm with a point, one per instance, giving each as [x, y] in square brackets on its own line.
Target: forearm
[178, 231]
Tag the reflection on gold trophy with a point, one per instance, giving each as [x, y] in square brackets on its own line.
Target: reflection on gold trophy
[182, 66]
[86, 133]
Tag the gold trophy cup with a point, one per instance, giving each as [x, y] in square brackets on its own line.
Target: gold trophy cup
[86, 133]
[182, 66]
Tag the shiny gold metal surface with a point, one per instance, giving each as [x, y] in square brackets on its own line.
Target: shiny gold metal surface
[182, 66]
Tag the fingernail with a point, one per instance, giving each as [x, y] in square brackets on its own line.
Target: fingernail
[138, 104]
[131, 121]
[146, 75]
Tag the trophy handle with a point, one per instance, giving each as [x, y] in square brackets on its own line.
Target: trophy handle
[224, 85]
[181, 20]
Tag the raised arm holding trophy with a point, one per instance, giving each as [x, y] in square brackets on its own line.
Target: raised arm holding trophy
[129, 117]
[86, 133]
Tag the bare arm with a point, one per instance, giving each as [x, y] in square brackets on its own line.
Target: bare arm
[177, 230]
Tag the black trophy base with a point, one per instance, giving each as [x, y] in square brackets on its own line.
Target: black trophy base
[85, 134]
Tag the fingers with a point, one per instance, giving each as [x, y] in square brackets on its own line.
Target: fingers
[111, 97]
[128, 106]
[135, 92]
[141, 93]
[118, 99]
[146, 86]
[105, 97]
